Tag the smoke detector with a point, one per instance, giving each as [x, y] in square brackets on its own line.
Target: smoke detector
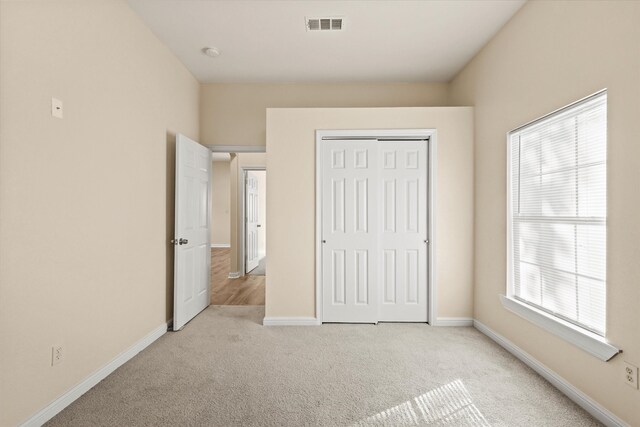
[324, 24]
[211, 51]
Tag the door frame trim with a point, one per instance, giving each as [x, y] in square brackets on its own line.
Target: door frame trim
[237, 148]
[243, 230]
[409, 134]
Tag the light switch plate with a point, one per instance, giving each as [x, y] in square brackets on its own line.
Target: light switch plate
[56, 108]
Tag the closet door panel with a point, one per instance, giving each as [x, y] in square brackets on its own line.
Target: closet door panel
[403, 231]
[350, 221]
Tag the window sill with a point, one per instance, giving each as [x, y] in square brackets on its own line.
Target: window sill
[587, 341]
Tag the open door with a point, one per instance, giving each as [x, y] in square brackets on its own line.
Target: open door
[192, 256]
[252, 217]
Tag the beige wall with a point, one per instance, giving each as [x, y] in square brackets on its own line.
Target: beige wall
[221, 203]
[548, 55]
[238, 162]
[234, 114]
[290, 289]
[85, 202]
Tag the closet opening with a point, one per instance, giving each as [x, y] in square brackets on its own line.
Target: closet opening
[375, 225]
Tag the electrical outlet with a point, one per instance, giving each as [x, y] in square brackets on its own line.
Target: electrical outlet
[56, 354]
[631, 375]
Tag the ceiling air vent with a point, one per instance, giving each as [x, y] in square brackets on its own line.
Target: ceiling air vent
[324, 24]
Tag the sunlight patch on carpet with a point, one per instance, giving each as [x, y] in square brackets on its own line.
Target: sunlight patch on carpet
[450, 404]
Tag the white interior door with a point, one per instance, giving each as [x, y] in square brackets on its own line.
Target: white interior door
[192, 255]
[374, 231]
[252, 204]
[349, 231]
[403, 231]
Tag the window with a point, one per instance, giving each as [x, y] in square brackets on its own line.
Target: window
[558, 212]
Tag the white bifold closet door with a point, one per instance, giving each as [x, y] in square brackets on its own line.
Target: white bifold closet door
[374, 231]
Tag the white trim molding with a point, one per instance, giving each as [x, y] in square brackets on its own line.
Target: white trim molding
[237, 148]
[290, 321]
[588, 404]
[70, 396]
[221, 157]
[588, 341]
[234, 274]
[220, 245]
[454, 321]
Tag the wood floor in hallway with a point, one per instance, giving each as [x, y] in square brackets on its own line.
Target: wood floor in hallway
[246, 290]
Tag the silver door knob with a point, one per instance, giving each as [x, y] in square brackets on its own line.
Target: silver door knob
[259, 225]
[183, 241]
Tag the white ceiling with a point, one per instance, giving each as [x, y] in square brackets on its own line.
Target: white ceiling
[382, 41]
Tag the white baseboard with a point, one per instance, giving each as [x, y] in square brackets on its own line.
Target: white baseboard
[591, 406]
[70, 396]
[234, 274]
[454, 321]
[220, 245]
[290, 321]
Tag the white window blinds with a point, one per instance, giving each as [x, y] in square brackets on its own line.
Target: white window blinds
[558, 211]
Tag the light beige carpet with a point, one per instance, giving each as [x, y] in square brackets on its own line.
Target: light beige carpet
[225, 369]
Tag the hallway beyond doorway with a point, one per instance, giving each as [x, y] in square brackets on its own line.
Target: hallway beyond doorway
[245, 290]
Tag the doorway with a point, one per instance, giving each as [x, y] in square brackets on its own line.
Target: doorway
[232, 283]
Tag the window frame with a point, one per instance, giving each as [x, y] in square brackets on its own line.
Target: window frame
[581, 337]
